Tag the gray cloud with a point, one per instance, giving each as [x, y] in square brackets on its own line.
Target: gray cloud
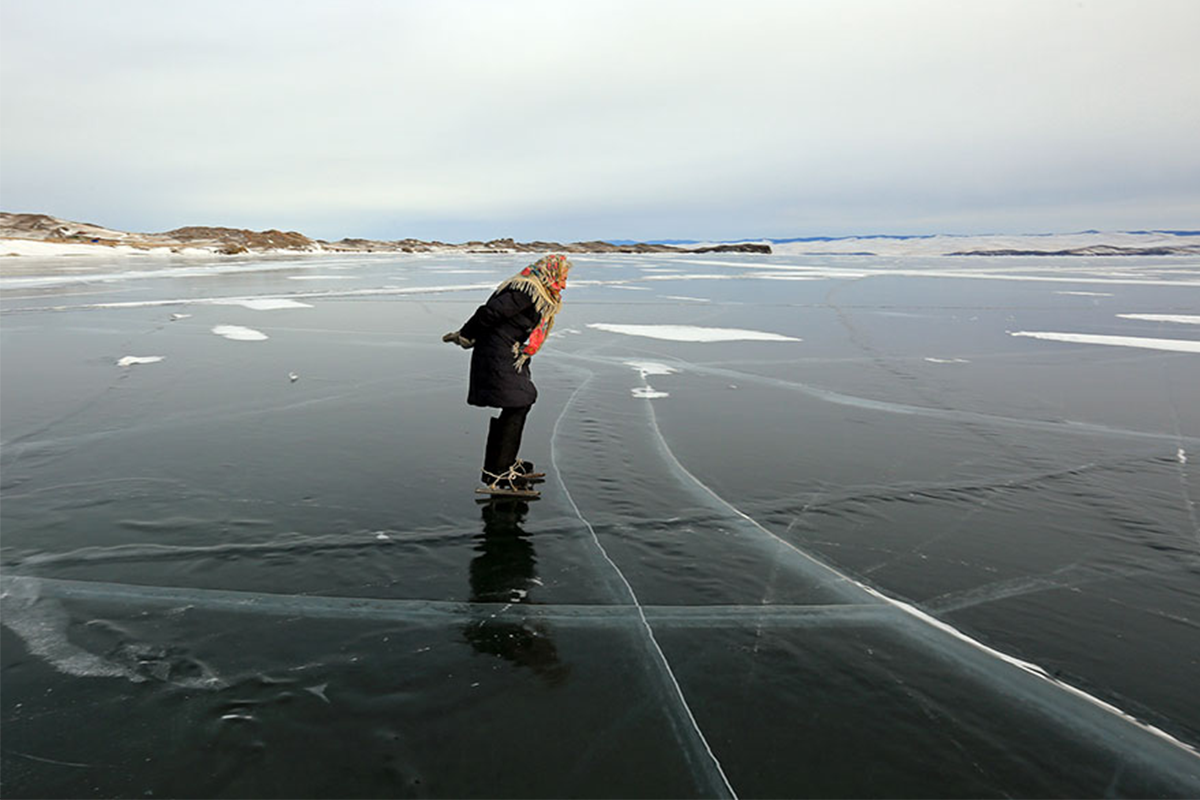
[577, 120]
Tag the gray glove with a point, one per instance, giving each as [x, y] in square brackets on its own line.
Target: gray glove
[457, 338]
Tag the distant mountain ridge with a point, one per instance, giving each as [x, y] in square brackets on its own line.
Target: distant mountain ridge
[49, 230]
[1082, 243]
[42, 234]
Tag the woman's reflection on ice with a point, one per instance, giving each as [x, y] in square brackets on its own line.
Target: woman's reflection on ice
[502, 577]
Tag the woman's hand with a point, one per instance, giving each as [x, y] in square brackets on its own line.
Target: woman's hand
[457, 338]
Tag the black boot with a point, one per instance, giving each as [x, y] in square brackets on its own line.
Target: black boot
[491, 464]
[499, 471]
[509, 428]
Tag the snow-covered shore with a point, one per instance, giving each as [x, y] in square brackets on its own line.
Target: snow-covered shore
[42, 249]
[42, 236]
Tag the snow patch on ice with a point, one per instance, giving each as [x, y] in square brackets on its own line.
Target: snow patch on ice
[37, 248]
[692, 333]
[1181, 454]
[1183, 319]
[261, 303]
[1089, 294]
[238, 333]
[129, 361]
[320, 277]
[685, 297]
[327, 293]
[947, 360]
[43, 624]
[1175, 345]
[645, 368]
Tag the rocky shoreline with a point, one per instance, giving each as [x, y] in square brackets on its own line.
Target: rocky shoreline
[236, 241]
[43, 235]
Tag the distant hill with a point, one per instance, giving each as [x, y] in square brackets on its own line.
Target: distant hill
[1082, 243]
[50, 231]
[42, 234]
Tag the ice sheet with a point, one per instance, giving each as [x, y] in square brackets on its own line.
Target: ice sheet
[965, 542]
[1141, 342]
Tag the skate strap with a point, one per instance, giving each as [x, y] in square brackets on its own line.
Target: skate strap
[508, 475]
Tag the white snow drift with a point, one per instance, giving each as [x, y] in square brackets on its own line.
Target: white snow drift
[692, 333]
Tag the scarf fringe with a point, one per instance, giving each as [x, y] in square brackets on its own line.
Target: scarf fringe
[545, 303]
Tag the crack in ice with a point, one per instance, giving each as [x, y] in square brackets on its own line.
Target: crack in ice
[712, 763]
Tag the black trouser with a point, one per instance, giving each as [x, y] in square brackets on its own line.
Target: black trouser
[503, 441]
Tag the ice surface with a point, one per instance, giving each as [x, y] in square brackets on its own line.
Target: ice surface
[865, 546]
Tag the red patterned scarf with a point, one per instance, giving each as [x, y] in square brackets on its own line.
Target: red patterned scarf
[544, 281]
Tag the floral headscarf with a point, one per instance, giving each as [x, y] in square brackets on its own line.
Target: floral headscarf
[544, 281]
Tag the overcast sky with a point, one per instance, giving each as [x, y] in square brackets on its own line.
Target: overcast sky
[580, 120]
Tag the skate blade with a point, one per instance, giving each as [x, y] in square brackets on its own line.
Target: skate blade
[507, 492]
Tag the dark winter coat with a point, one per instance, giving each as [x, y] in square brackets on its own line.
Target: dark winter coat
[505, 320]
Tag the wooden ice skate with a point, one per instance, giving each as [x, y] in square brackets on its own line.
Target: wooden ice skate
[509, 483]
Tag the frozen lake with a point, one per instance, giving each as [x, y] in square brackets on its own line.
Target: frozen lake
[813, 527]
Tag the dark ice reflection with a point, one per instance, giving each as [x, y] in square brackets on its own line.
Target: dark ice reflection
[502, 575]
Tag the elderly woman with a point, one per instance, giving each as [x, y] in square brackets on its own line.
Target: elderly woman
[504, 333]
